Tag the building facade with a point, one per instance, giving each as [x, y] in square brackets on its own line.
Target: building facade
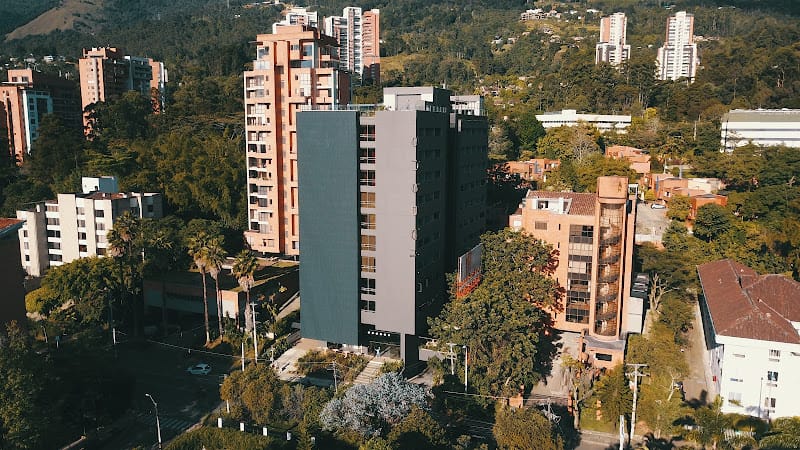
[106, 73]
[358, 35]
[75, 225]
[26, 97]
[751, 324]
[593, 235]
[571, 118]
[294, 68]
[297, 16]
[612, 48]
[12, 277]
[766, 127]
[678, 58]
[389, 198]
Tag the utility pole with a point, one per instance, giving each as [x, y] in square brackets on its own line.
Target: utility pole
[158, 423]
[255, 337]
[242, 355]
[452, 359]
[636, 374]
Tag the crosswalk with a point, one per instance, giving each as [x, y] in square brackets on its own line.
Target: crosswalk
[166, 422]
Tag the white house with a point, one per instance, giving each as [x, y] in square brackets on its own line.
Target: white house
[751, 324]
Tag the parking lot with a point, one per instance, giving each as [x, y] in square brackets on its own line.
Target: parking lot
[650, 223]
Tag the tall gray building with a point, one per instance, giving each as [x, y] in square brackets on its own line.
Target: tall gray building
[389, 197]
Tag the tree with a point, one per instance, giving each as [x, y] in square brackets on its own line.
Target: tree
[528, 130]
[784, 434]
[712, 220]
[711, 424]
[597, 165]
[418, 430]
[215, 257]
[660, 406]
[244, 269]
[254, 394]
[524, 428]
[371, 409]
[678, 207]
[24, 423]
[56, 153]
[503, 322]
[616, 398]
[198, 251]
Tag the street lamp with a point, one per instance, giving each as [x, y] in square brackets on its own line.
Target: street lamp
[466, 373]
[158, 423]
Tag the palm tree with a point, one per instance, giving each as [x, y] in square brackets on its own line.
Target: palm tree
[215, 258]
[244, 269]
[198, 251]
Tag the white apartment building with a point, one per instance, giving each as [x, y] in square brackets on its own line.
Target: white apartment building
[766, 127]
[297, 16]
[571, 118]
[612, 47]
[752, 330]
[678, 57]
[75, 225]
[358, 35]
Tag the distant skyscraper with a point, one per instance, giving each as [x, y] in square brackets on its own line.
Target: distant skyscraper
[612, 48]
[358, 34]
[295, 68]
[297, 16]
[678, 57]
[25, 98]
[106, 73]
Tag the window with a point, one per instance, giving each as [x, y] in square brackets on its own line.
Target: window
[53, 233]
[367, 132]
[774, 354]
[772, 376]
[366, 178]
[81, 236]
[80, 210]
[368, 264]
[368, 305]
[368, 286]
[367, 199]
[81, 223]
[735, 398]
[52, 208]
[769, 402]
[367, 242]
[540, 226]
[82, 248]
[100, 226]
[53, 257]
[366, 155]
[54, 245]
[367, 221]
[101, 252]
[53, 221]
[602, 357]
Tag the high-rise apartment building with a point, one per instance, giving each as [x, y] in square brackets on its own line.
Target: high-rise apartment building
[678, 57]
[593, 235]
[297, 16]
[294, 68]
[358, 34]
[612, 48]
[389, 197]
[75, 225]
[26, 97]
[106, 73]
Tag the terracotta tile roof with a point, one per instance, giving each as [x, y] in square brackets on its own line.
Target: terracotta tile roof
[582, 204]
[747, 305]
[9, 225]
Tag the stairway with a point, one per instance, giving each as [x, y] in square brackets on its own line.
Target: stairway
[372, 371]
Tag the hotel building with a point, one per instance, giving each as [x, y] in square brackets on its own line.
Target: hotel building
[389, 198]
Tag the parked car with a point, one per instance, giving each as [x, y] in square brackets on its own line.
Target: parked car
[658, 206]
[199, 369]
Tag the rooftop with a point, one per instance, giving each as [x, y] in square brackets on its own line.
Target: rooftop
[762, 115]
[581, 204]
[9, 225]
[747, 305]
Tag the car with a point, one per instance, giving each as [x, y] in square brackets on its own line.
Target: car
[657, 206]
[199, 369]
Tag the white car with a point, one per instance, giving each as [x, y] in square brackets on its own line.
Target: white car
[199, 369]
